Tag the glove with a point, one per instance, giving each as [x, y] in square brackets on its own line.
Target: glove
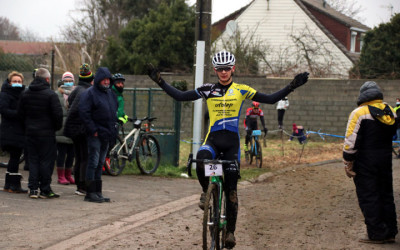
[154, 73]
[298, 80]
[348, 168]
[265, 131]
[123, 120]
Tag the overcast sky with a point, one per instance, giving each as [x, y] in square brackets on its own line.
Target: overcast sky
[46, 18]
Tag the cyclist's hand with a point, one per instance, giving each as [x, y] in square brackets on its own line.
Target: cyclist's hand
[265, 131]
[298, 80]
[154, 73]
[348, 168]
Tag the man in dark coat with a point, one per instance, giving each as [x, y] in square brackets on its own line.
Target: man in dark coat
[98, 110]
[367, 155]
[41, 113]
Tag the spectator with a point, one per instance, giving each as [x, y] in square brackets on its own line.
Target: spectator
[281, 107]
[75, 129]
[118, 88]
[367, 155]
[12, 131]
[41, 112]
[250, 122]
[65, 148]
[98, 108]
[298, 131]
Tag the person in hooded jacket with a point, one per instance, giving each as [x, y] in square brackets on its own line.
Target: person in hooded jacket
[42, 115]
[98, 111]
[367, 155]
[12, 131]
[75, 129]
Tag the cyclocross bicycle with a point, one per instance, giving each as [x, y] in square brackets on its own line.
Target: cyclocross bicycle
[255, 151]
[214, 217]
[138, 143]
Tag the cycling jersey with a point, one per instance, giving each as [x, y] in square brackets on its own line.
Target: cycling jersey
[250, 122]
[224, 104]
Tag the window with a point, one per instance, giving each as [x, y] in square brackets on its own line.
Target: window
[353, 41]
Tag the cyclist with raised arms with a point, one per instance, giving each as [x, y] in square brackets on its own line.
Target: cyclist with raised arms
[224, 101]
[250, 122]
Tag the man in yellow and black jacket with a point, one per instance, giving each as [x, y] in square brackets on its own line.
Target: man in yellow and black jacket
[367, 155]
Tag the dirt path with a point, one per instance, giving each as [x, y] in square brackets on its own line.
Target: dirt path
[304, 208]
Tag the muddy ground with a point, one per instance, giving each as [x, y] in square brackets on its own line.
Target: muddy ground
[303, 207]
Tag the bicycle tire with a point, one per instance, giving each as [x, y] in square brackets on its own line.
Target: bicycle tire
[247, 156]
[117, 164]
[211, 217]
[251, 150]
[148, 154]
[259, 155]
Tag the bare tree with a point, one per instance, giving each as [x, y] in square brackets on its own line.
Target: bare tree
[8, 30]
[348, 7]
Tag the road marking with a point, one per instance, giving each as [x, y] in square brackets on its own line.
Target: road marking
[93, 237]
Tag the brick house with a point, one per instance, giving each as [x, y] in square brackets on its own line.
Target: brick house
[293, 28]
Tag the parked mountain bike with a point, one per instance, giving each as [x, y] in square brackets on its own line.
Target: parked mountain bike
[214, 217]
[138, 143]
[255, 151]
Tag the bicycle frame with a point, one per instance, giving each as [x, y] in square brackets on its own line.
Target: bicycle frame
[255, 135]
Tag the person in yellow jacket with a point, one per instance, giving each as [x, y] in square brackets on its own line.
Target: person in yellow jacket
[367, 155]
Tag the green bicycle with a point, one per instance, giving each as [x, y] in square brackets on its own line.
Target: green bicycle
[214, 217]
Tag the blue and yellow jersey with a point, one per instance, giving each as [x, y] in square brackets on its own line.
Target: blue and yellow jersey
[224, 104]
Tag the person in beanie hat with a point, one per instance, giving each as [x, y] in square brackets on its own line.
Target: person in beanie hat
[12, 131]
[367, 156]
[98, 111]
[75, 129]
[85, 74]
[65, 148]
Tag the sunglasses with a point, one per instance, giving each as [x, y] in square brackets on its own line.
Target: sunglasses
[226, 69]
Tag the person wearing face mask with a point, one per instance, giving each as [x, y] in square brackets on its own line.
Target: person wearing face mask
[12, 131]
[65, 148]
[98, 111]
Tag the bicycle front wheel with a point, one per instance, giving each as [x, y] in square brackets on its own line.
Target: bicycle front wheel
[252, 152]
[259, 155]
[211, 219]
[148, 154]
[117, 163]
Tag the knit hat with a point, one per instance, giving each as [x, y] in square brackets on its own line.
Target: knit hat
[85, 74]
[67, 76]
[369, 91]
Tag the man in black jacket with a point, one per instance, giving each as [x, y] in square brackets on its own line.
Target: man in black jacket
[41, 112]
[98, 111]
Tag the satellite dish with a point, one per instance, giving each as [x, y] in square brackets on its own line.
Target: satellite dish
[231, 27]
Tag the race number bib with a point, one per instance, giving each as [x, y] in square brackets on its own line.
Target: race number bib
[213, 169]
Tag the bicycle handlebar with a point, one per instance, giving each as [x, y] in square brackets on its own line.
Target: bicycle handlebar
[214, 161]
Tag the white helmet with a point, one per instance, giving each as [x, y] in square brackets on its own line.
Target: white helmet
[223, 59]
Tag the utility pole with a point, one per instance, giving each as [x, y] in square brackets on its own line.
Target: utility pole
[202, 59]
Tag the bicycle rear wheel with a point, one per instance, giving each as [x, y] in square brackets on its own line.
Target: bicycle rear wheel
[211, 238]
[117, 163]
[259, 155]
[148, 154]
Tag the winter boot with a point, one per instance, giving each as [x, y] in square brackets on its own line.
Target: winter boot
[91, 194]
[99, 187]
[68, 175]
[7, 184]
[15, 183]
[61, 176]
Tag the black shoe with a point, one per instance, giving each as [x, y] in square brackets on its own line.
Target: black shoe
[48, 195]
[230, 241]
[34, 194]
[92, 197]
[202, 201]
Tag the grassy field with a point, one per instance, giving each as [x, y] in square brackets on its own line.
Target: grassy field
[277, 155]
